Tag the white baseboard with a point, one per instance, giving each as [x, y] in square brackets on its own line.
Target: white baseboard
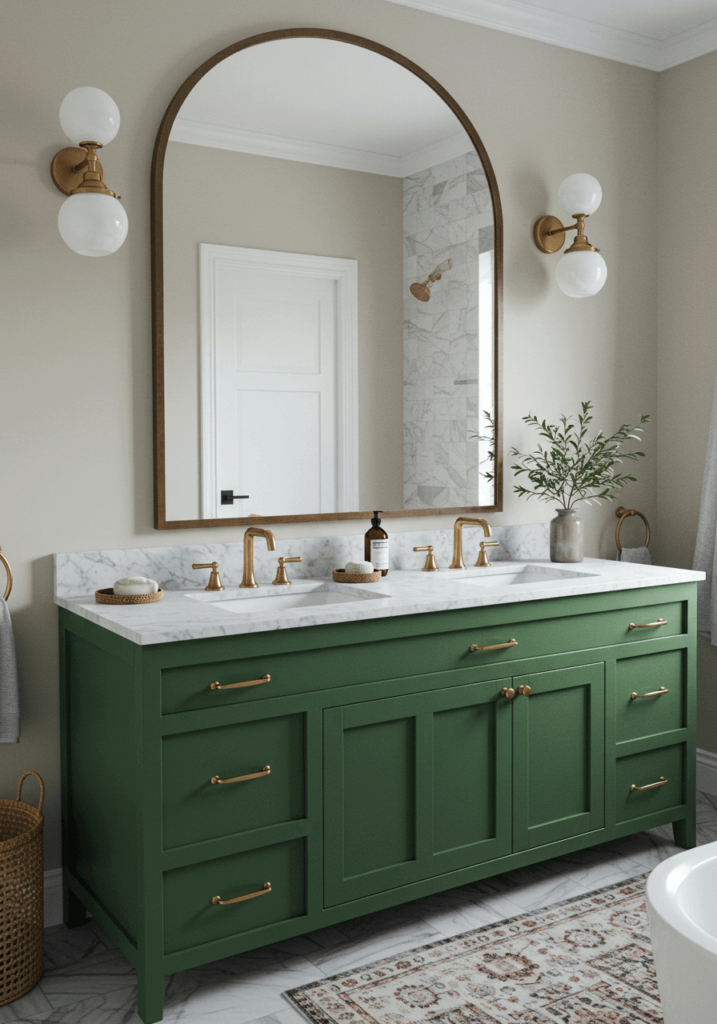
[707, 771]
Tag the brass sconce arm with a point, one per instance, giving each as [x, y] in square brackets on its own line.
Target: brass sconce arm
[549, 234]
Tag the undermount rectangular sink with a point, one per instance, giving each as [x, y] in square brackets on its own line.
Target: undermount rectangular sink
[534, 575]
[294, 599]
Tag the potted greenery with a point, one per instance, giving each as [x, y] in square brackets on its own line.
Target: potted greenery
[570, 468]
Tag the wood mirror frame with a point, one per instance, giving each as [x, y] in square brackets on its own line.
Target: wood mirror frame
[157, 261]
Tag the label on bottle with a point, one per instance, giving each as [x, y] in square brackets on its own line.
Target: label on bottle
[379, 554]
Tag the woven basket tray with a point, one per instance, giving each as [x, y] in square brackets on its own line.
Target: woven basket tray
[341, 576]
[108, 596]
[22, 888]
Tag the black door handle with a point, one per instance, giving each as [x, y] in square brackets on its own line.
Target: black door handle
[229, 497]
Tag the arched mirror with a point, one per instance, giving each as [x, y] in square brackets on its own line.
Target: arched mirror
[327, 261]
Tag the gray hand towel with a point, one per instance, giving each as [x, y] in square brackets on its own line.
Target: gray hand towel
[641, 555]
[9, 688]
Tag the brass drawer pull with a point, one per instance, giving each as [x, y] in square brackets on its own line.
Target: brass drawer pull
[219, 902]
[648, 625]
[236, 686]
[508, 692]
[266, 770]
[655, 693]
[492, 647]
[525, 690]
[663, 782]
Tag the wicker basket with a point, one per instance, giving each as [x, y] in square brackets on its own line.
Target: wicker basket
[21, 895]
[108, 596]
[341, 576]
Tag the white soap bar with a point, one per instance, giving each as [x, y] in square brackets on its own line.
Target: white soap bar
[131, 585]
[359, 567]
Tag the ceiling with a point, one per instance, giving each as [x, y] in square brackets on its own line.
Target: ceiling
[653, 34]
[321, 101]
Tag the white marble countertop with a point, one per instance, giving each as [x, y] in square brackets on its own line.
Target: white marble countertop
[195, 614]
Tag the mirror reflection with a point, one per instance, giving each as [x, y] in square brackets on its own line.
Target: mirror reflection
[329, 280]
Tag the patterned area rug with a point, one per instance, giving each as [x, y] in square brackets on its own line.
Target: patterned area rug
[585, 961]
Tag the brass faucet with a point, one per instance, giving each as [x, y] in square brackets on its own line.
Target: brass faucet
[460, 522]
[248, 579]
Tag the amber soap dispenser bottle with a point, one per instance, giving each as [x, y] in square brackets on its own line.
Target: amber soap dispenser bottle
[375, 546]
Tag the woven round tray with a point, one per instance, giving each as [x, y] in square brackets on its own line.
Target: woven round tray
[341, 576]
[108, 596]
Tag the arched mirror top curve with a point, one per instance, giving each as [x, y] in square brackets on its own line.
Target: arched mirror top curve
[326, 288]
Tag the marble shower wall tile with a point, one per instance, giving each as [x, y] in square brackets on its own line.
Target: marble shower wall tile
[447, 215]
[83, 572]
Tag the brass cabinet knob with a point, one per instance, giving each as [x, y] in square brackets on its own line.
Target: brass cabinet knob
[508, 692]
[525, 690]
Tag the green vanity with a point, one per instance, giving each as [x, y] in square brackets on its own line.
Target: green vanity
[310, 774]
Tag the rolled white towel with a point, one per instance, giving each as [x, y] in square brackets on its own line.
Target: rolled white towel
[131, 585]
[359, 567]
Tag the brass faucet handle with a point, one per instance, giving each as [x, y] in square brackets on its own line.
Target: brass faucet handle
[215, 582]
[282, 578]
[483, 562]
[430, 565]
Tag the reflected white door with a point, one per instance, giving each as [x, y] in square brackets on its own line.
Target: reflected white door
[276, 369]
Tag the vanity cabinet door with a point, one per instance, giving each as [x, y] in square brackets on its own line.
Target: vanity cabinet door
[414, 787]
[559, 755]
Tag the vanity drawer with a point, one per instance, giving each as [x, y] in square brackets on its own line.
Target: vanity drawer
[195, 808]
[426, 646]
[644, 770]
[190, 917]
[660, 706]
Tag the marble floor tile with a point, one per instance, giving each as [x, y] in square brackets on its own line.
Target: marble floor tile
[33, 1006]
[365, 948]
[71, 945]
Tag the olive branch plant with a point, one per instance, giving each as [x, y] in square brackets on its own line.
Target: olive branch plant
[572, 468]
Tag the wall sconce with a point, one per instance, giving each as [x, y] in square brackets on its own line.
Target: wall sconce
[582, 271]
[92, 221]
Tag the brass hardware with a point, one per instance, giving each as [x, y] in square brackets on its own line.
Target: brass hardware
[655, 693]
[653, 785]
[621, 514]
[8, 570]
[483, 562]
[248, 579]
[75, 170]
[492, 647]
[525, 690]
[460, 522]
[219, 902]
[430, 565]
[266, 770]
[237, 686]
[282, 578]
[215, 582]
[508, 692]
[422, 289]
[549, 234]
[649, 625]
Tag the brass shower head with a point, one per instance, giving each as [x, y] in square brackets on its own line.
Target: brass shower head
[422, 289]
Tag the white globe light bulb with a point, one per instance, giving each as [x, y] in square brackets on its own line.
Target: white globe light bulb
[580, 193]
[581, 274]
[93, 224]
[89, 115]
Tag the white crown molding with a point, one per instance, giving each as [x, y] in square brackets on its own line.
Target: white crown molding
[196, 133]
[576, 33]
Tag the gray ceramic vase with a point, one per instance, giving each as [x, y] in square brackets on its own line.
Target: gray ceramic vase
[566, 536]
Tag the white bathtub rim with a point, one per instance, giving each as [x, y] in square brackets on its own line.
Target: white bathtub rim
[662, 893]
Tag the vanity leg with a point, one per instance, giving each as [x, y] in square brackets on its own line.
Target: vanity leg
[685, 832]
[73, 910]
[150, 996]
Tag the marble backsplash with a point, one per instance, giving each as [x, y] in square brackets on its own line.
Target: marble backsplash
[82, 572]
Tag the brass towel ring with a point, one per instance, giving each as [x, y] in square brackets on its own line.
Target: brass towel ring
[8, 570]
[621, 513]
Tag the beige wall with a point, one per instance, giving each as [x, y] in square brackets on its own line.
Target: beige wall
[258, 202]
[687, 338]
[75, 404]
